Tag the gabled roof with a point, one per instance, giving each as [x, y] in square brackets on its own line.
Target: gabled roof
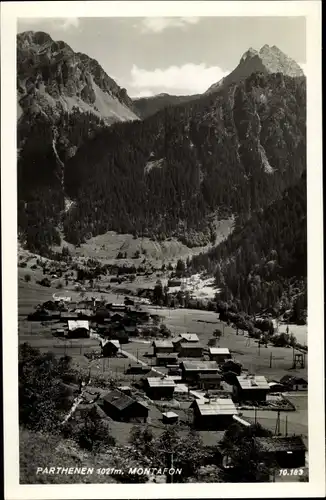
[170, 414]
[252, 382]
[191, 345]
[163, 343]
[116, 343]
[167, 355]
[219, 406]
[160, 382]
[219, 350]
[200, 366]
[73, 325]
[120, 400]
[190, 337]
[276, 443]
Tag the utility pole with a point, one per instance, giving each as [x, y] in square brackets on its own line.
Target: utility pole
[286, 425]
[270, 360]
[255, 414]
[277, 426]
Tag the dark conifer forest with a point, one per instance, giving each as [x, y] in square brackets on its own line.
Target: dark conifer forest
[232, 152]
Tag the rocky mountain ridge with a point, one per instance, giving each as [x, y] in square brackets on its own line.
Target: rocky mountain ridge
[267, 60]
[52, 79]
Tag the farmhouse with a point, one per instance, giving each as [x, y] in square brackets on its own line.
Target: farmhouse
[123, 408]
[293, 383]
[164, 359]
[78, 328]
[213, 414]
[288, 452]
[219, 354]
[250, 388]
[190, 370]
[162, 346]
[209, 381]
[159, 388]
[110, 348]
[184, 338]
[191, 350]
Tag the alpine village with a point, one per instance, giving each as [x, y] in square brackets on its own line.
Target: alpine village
[162, 274]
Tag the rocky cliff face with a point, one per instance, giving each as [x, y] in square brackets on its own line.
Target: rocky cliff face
[52, 78]
[268, 60]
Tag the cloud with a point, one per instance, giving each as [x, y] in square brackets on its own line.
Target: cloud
[64, 23]
[159, 24]
[143, 93]
[189, 78]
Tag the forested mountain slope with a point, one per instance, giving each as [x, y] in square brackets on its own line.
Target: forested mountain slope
[264, 262]
[233, 151]
[147, 106]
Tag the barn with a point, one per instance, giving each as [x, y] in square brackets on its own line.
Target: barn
[123, 408]
[250, 388]
[159, 388]
[286, 451]
[78, 329]
[219, 354]
[213, 414]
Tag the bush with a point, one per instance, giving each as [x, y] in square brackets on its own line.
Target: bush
[27, 278]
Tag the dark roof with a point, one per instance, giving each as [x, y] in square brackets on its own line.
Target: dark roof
[210, 376]
[292, 379]
[167, 355]
[275, 444]
[120, 400]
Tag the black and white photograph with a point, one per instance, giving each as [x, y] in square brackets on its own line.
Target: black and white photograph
[162, 226]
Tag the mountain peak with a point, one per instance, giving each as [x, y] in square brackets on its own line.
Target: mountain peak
[268, 60]
[53, 78]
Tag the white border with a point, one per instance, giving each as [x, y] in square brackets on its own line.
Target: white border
[312, 11]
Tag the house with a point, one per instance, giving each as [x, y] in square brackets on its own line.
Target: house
[173, 369]
[78, 328]
[170, 417]
[219, 354]
[288, 451]
[250, 388]
[164, 359]
[190, 370]
[110, 348]
[183, 338]
[209, 381]
[138, 369]
[162, 346]
[293, 383]
[123, 408]
[191, 350]
[159, 388]
[213, 414]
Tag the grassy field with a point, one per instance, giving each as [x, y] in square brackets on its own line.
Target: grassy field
[105, 247]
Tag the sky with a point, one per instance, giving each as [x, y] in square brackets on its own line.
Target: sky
[176, 55]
